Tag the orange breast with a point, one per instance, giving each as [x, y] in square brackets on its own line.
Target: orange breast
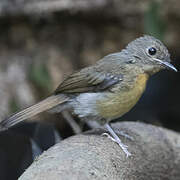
[119, 103]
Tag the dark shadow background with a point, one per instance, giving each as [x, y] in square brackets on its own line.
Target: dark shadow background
[43, 41]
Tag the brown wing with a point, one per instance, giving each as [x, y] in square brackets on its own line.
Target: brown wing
[84, 81]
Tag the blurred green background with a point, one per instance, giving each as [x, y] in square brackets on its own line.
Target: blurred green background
[42, 41]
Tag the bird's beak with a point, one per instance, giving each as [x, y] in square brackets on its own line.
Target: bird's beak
[166, 64]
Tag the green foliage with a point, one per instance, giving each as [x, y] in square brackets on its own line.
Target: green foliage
[39, 75]
[153, 23]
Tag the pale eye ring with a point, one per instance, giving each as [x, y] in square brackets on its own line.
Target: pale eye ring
[152, 51]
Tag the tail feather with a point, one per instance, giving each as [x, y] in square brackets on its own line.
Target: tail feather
[31, 111]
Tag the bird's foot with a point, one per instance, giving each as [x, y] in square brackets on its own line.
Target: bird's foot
[122, 133]
[116, 139]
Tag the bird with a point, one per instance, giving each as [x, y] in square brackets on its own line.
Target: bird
[106, 90]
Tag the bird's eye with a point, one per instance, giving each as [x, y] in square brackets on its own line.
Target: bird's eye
[152, 51]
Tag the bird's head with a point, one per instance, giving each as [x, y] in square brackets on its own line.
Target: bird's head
[150, 54]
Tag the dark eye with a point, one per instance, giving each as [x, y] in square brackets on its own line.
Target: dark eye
[152, 51]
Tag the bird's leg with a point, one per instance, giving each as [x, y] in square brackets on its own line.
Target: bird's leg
[75, 127]
[116, 139]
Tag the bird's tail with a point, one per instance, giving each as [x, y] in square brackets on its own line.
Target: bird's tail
[31, 111]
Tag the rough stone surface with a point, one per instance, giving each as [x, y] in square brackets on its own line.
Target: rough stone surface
[155, 156]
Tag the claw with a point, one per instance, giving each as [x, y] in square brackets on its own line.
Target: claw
[108, 136]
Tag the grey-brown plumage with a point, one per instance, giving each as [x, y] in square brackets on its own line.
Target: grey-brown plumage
[43, 105]
[108, 89]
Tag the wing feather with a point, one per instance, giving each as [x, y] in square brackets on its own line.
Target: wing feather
[86, 81]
